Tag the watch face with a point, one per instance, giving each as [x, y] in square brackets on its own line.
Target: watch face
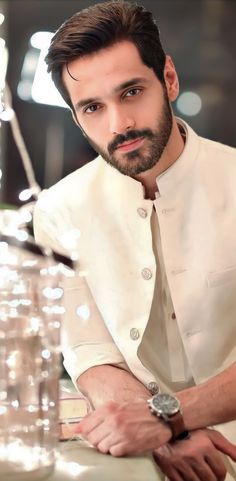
[165, 404]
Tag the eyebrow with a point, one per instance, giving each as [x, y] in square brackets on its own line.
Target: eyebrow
[129, 83]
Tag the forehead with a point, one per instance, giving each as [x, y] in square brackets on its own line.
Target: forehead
[99, 72]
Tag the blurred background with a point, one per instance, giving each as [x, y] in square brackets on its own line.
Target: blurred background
[200, 35]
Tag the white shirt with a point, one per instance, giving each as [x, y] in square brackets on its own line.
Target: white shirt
[161, 350]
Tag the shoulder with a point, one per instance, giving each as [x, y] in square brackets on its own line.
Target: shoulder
[217, 171]
[56, 206]
[218, 150]
[75, 188]
[219, 161]
[82, 177]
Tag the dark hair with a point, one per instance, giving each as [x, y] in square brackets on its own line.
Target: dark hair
[101, 26]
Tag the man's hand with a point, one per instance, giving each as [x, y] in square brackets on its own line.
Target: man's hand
[197, 458]
[124, 428]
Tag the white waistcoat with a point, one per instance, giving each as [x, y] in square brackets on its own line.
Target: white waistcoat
[197, 218]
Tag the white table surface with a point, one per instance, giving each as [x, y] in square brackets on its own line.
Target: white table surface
[79, 461]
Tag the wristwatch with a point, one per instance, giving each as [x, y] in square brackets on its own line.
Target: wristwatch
[167, 407]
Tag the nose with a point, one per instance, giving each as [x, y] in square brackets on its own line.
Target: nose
[120, 121]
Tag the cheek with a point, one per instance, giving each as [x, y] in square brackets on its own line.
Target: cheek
[96, 132]
[150, 115]
[97, 140]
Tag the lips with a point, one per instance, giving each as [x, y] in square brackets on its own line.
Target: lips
[131, 145]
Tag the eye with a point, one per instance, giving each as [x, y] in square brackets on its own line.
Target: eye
[133, 92]
[91, 109]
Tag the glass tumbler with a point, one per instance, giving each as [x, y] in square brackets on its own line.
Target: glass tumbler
[31, 311]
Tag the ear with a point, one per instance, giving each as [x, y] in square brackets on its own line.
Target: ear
[171, 79]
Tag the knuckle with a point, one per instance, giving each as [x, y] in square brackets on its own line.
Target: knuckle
[103, 448]
[117, 451]
[117, 422]
[191, 456]
[92, 440]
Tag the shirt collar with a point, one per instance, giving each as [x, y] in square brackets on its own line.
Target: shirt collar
[173, 177]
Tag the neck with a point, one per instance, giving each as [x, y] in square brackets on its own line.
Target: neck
[172, 151]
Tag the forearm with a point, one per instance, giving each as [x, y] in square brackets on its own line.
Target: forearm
[212, 402]
[109, 383]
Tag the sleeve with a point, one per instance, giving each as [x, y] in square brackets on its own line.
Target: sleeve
[86, 341]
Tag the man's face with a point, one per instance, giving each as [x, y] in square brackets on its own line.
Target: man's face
[121, 106]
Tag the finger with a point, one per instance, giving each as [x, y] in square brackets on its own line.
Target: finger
[173, 475]
[204, 472]
[99, 434]
[122, 448]
[217, 466]
[105, 445]
[89, 423]
[222, 444]
[188, 473]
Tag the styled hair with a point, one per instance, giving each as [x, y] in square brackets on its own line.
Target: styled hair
[100, 26]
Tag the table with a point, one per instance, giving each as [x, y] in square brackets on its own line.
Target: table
[78, 461]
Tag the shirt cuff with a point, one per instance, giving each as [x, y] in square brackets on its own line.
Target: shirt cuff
[81, 357]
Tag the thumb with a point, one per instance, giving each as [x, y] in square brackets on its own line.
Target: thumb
[222, 444]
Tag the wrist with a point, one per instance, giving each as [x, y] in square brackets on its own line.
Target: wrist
[168, 410]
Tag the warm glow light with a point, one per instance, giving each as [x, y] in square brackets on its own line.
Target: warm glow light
[70, 467]
[28, 458]
[25, 194]
[41, 40]
[25, 215]
[35, 82]
[46, 354]
[58, 310]
[7, 115]
[189, 103]
[53, 293]
[69, 239]
[43, 90]
[3, 69]
[2, 43]
[83, 312]
[21, 235]
[2, 18]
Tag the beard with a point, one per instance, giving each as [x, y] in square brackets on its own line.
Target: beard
[143, 158]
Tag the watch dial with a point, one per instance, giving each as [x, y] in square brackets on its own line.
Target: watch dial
[166, 404]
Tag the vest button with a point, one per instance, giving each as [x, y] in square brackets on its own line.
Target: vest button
[134, 333]
[146, 273]
[142, 212]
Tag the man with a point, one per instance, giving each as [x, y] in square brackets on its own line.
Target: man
[153, 218]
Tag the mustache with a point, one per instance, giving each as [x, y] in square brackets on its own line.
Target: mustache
[131, 135]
